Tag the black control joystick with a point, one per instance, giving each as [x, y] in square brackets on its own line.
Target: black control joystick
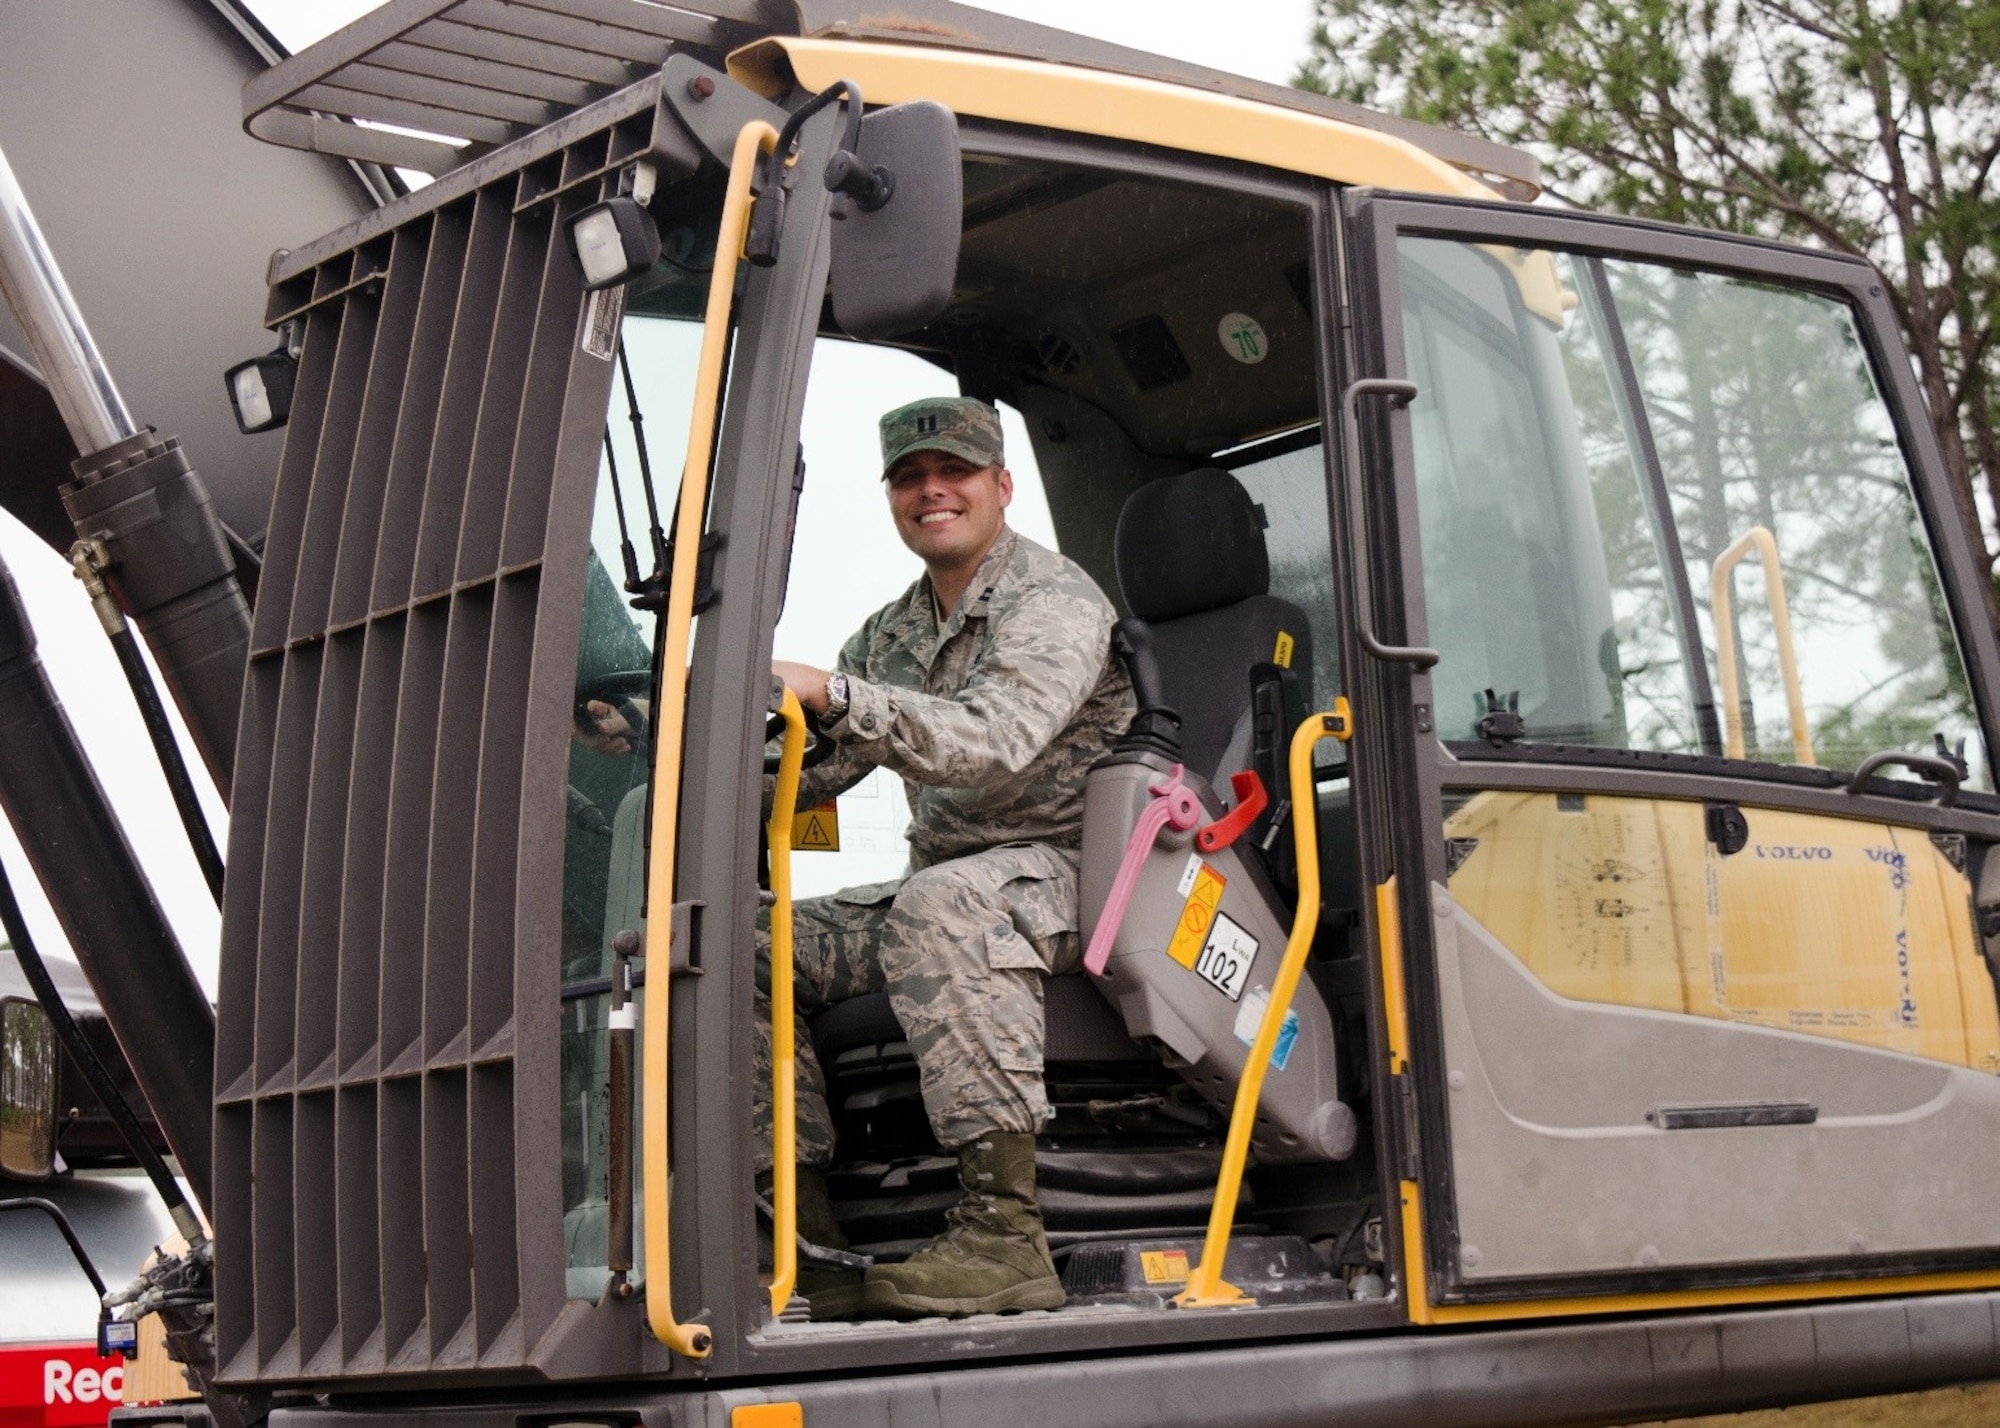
[1155, 728]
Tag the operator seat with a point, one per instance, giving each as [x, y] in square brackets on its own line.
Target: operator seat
[1193, 937]
[1191, 563]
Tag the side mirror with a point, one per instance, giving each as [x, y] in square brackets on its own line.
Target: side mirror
[898, 204]
[28, 1071]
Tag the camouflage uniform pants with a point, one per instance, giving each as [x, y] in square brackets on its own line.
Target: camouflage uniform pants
[961, 948]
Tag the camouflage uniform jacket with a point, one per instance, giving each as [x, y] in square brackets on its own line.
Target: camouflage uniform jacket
[992, 717]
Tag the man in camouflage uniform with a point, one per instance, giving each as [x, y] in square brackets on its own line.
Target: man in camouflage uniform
[990, 687]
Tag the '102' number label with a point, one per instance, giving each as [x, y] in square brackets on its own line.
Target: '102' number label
[1226, 957]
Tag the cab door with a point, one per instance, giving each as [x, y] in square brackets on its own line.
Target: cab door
[1682, 687]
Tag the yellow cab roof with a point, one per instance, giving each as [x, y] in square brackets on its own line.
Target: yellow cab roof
[997, 67]
[1164, 111]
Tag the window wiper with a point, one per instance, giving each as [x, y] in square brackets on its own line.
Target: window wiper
[628, 556]
[648, 593]
[1500, 722]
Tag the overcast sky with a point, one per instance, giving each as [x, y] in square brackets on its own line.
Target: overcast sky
[1260, 38]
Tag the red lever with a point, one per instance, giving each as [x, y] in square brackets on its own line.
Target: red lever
[1250, 801]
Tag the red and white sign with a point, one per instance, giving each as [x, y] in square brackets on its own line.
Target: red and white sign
[58, 1386]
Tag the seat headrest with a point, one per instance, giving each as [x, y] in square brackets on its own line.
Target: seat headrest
[1189, 543]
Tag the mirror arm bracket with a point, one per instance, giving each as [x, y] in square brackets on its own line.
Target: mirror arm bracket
[66, 1230]
[711, 106]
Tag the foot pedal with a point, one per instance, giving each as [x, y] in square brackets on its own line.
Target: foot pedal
[810, 1254]
[826, 1257]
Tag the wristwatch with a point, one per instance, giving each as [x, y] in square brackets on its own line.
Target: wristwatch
[836, 699]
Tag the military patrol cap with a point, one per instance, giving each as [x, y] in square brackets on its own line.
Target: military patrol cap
[963, 426]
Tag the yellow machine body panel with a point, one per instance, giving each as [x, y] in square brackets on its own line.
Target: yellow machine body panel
[1832, 927]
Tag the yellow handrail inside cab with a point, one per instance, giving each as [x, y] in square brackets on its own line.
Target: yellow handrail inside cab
[691, 1340]
[1206, 1288]
[1766, 546]
[784, 1085]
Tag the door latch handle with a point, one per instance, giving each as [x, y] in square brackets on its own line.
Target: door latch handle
[1402, 394]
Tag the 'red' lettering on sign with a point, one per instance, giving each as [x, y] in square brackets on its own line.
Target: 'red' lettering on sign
[58, 1386]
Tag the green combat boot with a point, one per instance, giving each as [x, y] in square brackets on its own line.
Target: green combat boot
[993, 1259]
[832, 1293]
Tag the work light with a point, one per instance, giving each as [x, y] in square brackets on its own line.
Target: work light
[260, 390]
[614, 241]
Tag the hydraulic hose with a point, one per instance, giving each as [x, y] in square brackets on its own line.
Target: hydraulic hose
[166, 558]
[88, 558]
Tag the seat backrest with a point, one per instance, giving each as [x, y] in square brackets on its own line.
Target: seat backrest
[1192, 564]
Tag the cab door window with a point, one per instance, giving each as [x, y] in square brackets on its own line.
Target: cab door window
[1788, 487]
[1520, 595]
[1594, 441]
[610, 755]
[1666, 510]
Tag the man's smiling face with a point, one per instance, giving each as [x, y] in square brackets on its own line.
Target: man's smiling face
[947, 509]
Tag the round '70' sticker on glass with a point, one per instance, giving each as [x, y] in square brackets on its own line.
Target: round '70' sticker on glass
[1243, 338]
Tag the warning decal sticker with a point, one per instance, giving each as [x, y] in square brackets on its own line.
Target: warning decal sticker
[1204, 896]
[1164, 1266]
[602, 314]
[817, 830]
[1250, 1020]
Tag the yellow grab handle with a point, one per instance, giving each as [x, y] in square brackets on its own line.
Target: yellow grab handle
[784, 1074]
[1766, 546]
[690, 1340]
[1206, 1288]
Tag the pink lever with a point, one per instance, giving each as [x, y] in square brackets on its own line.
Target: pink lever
[1173, 803]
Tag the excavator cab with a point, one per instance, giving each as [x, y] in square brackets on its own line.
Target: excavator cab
[1160, 337]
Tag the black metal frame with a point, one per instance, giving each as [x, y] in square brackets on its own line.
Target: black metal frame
[489, 71]
[1400, 706]
[387, 1049]
[336, 653]
[712, 1014]
[66, 1230]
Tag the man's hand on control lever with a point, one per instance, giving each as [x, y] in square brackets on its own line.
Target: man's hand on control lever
[606, 731]
[807, 683]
